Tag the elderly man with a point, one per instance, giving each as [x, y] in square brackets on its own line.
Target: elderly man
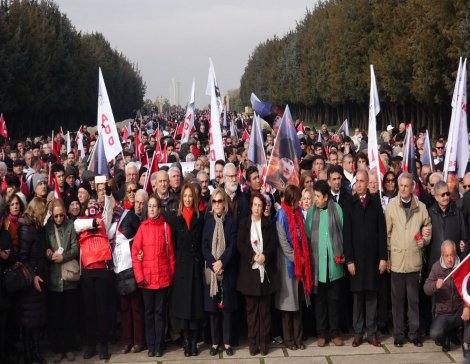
[464, 202]
[168, 202]
[132, 173]
[408, 231]
[39, 186]
[203, 179]
[365, 251]
[174, 175]
[451, 312]
[428, 196]
[141, 198]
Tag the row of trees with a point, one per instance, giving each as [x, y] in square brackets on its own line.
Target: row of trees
[321, 69]
[49, 71]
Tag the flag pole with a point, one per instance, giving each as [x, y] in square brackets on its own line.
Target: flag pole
[450, 274]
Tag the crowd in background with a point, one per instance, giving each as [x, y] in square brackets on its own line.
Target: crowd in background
[198, 259]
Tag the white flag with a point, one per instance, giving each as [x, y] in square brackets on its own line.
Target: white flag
[69, 144]
[372, 147]
[79, 140]
[457, 145]
[189, 118]
[215, 135]
[106, 124]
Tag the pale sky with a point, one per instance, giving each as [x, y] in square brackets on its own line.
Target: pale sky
[175, 38]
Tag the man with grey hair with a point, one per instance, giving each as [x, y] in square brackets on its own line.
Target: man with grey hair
[203, 179]
[428, 196]
[168, 202]
[132, 172]
[408, 231]
[451, 313]
[174, 175]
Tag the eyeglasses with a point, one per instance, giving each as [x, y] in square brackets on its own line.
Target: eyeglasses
[445, 194]
[231, 175]
[439, 147]
[432, 184]
[58, 216]
[466, 186]
[132, 190]
[389, 180]
[217, 201]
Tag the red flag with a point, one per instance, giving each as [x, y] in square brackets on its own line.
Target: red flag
[57, 193]
[61, 133]
[245, 135]
[138, 147]
[179, 130]
[164, 155]
[125, 134]
[461, 276]
[3, 127]
[50, 178]
[24, 187]
[240, 178]
[301, 128]
[152, 169]
[55, 146]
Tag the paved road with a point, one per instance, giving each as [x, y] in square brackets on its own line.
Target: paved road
[387, 354]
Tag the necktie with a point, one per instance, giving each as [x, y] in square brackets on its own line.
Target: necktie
[363, 200]
[335, 197]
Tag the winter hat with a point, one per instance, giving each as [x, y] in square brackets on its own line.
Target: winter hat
[37, 179]
[86, 186]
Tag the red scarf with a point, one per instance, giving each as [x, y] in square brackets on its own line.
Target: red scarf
[299, 251]
[188, 214]
[128, 205]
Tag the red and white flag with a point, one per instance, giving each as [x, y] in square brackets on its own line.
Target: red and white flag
[375, 162]
[245, 135]
[457, 145]
[79, 141]
[301, 128]
[153, 167]
[61, 133]
[3, 127]
[461, 275]
[188, 124]
[106, 123]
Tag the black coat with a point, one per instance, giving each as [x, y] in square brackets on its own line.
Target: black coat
[249, 282]
[186, 295]
[229, 261]
[364, 241]
[445, 226]
[33, 245]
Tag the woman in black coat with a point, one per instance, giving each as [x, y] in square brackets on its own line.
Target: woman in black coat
[186, 296]
[219, 247]
[257, 277]
[32, 302]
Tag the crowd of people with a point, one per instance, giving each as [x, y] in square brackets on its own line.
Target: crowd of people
[200, 259]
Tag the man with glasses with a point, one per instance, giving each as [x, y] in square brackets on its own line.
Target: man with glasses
[464, 202]
[447, 221]
[440, 154]
[428, 197]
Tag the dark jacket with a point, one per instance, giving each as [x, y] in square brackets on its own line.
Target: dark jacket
[33, 245]
[447, 298]
[364, 241]
[229, 262]
[5, 244]
[239, 203]
[68, 241]
[249, 282]
[186, 295]
[449, 225]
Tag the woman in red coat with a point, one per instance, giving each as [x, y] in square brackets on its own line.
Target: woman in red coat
[153, 260]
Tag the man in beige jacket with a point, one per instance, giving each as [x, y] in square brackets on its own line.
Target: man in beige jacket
[408, 231]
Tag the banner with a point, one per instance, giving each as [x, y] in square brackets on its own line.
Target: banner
[106, 125]
[98, 162]
[215, 135]
[456, 158]
[69, 143]
[283, 167]
[426, 157]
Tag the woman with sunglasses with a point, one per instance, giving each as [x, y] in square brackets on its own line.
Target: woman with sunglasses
[390, 188]
[129, 199]
[63, 295]
[219, 250]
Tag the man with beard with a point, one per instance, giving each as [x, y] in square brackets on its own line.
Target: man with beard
[218, 171]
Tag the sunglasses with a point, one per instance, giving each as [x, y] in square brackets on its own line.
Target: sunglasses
[466, 186]
[439, 147]
[132, 190]
[389, 180]
[58, 216]
[217, 201]
[445, 194]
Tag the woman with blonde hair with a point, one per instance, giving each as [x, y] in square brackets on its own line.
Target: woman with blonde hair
[186, 307]
[62, 247]
[219, 250]
[32, 301]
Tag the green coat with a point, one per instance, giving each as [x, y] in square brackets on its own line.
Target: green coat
[325, 246]
[68, 239]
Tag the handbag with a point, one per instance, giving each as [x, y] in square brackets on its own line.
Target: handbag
[71, 269]
[125, 282]
[17, 277]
